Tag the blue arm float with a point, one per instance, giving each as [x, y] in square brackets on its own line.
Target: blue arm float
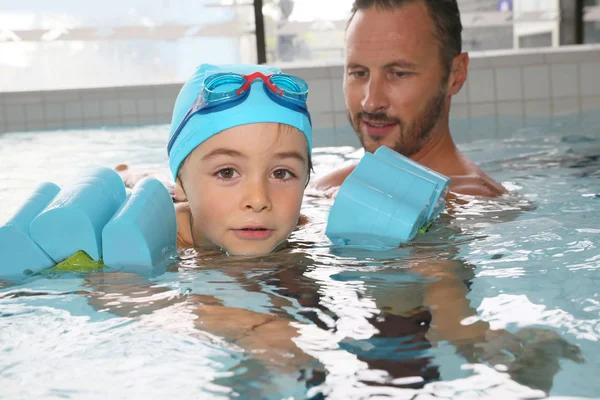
[18, 251]
[442, 182]
[143, 232]
[385, 201]
[74, 220]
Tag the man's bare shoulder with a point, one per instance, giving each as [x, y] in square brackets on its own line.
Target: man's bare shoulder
[476, 184]
[333, 179]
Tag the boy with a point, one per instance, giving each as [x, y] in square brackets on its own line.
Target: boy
[239, 151]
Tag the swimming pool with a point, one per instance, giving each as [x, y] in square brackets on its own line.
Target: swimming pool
[527, 263]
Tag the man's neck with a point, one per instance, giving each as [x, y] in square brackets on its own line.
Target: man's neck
[440, 154]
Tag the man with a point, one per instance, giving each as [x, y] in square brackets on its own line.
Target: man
[403, 65]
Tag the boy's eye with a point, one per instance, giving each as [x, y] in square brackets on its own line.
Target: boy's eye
[227, 173]
[283, 174]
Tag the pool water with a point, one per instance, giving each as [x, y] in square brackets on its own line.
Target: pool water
[498, 300]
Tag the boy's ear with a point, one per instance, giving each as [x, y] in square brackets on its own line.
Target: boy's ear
[179, 192]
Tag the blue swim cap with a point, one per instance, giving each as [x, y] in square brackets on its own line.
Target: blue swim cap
[256, 108]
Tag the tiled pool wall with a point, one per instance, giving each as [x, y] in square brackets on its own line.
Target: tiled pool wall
[505, 90]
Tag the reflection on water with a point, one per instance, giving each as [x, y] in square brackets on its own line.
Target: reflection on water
[498, 300]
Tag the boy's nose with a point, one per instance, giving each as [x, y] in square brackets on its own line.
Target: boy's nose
[257, 196]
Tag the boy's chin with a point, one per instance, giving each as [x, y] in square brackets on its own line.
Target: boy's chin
[255, 252]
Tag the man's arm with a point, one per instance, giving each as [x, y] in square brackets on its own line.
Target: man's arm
[478, 184]
[332, 181]
[475, 185]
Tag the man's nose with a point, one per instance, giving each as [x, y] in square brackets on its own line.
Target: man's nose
[256, 196]
[375, 98]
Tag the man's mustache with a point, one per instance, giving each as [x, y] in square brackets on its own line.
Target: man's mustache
[378, 118]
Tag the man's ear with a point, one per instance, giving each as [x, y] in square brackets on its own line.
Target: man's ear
[458, 73]
[179, 192]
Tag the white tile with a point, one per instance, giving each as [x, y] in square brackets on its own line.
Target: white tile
[2, 118]
[73, 111]
[163, 118]
[109, 108]
[510, 108]
[482, 110]
[590, 79]
[170, 91]
[129, 121]
[146, 119]
[324, 137]
[73, 123]
[135, 92]
[481, 86]
[479, 61]
[322, 120]
[572, 54]
[346, 137]
[111, 120]
[308, 73]
[459, 111]
[536, 81]
[127, 107]
[98, 94]
[54, 112]
[320, 98]
[511, 59]
[565, 106]
[34, 112]
[336, 72]
[508, 84]
[164, 105]
[16, 127]
[146, 106]
[590, 103]
[91, 109]
[93, 122]
[537, 108]
[340, 120]
[339, 101]
[55, 125]
[61, 96]
[15, 114]
[565, 80]
[23, 98]
[36, 126]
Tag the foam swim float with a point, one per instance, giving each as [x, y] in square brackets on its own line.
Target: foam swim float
[385, 202]
[90, 222]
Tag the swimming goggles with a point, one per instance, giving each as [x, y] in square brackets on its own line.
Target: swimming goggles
[221, 91]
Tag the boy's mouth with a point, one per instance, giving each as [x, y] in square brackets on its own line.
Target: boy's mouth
[253, 233]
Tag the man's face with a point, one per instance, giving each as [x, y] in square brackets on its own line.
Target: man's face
[394, 83]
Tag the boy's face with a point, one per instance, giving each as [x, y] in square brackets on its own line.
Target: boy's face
[244, 187]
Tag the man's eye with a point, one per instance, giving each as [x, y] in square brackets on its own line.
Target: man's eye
[358, 74]
[401, 74]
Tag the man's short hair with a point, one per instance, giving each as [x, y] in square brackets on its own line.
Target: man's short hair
[446, 18]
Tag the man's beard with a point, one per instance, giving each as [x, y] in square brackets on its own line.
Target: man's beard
[412, 138]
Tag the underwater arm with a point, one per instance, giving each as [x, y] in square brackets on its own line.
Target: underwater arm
[531, 355]
[446, 297]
